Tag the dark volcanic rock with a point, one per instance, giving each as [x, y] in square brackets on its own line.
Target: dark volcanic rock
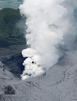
[9, 90]
[14, 63]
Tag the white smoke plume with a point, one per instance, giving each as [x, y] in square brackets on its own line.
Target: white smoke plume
[48, 23]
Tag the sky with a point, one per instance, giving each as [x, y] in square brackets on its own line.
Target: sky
[10, 3]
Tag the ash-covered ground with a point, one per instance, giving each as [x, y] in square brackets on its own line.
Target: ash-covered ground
[59, 83]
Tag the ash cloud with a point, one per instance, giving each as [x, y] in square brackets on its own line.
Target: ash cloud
[51, 23]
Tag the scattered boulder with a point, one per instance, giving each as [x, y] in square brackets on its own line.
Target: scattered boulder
[9, 90]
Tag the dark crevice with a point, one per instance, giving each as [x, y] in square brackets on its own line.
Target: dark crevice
[13, 63]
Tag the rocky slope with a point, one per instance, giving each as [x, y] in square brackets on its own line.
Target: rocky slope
[12, 59]
[58, 84]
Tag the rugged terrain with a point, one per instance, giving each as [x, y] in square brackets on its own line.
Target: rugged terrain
[59, 83]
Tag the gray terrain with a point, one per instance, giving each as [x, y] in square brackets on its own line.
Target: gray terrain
[59, 83]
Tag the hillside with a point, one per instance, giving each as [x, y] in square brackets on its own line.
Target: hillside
[58, 84]
[10, 34]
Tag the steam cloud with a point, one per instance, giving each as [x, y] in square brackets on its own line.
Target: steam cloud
[49, 23]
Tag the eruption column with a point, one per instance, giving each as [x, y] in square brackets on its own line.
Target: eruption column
[47, 24]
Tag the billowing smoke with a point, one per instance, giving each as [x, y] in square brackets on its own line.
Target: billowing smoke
[49, 24]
